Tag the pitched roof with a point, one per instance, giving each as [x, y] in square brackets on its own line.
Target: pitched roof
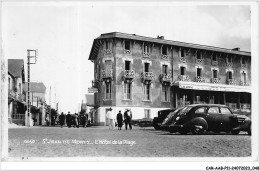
[90, 99]
[16, 67]
[97, 42]
[37, 87]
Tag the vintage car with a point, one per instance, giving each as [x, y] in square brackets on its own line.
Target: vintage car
[198, 118]
[162, 114]
[170, 118]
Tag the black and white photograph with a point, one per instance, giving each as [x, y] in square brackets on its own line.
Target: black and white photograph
[154, 85]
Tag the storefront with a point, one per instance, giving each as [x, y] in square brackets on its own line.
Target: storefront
[236, 97]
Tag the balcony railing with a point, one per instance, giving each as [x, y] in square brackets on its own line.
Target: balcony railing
[11, 94]
[229, 64]
[215, 80]
[243, 66]
[166, 78]
[182, 59]
[107, 51]
[231, 82]
[128, 74]
[183, 78]
[199, 61]
[243, 83]
[127, 52]
[214, 63]
[147, 76]
[147, 54]
[107, 74]
[200, 79]
[164, 57]
[21, 97]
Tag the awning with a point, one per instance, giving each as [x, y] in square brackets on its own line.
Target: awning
[212, 87]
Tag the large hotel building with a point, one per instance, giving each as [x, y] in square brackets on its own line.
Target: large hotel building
[150, 74]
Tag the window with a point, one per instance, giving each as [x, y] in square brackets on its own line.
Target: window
[127, 65]
[229, 75]
[165, 69]
[199, 72]
[127, 91]
[225, 110]
[214, 57]
[20, 88]
[229, 59]
[215, 73]
[198, 56]
[201, 110]
[146, 48]
[182, 52]
[146, 67]
[147, 91]
[164, 50]
[108, 90]
[243, 61]
[127, 45]
[147, 113]
[107, 45]
[243, 75]
[213, 110]
[108, 64]
[165, 93]
[182, 70]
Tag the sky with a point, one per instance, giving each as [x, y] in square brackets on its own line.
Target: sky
[63, 33]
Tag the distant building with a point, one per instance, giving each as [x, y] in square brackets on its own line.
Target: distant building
[150, 74]
[37, 99]
[16, 96]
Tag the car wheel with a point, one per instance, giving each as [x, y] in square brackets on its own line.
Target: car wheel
[235, 132]
[198, 129]
[249, 131]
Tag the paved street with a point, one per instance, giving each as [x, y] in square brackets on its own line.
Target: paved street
[139, 142]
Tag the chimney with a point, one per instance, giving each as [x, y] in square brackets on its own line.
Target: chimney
[160, 37]
[236, 49]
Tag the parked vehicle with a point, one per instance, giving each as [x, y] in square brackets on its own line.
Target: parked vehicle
[170, 118]
[198, 118]
[162, 114]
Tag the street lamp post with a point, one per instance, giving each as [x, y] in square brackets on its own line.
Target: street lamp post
[31, 54]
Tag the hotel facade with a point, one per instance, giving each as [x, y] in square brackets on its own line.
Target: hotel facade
[146, 75]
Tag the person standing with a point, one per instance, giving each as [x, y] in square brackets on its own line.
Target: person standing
[130, 119]
[68, 120]
[119, 119]
[61, 118]
[76, 120]
[111, 118]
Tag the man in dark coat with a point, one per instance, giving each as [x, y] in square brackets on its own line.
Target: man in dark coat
[119, 118]
[128, 119]
[61, 119]
[68, 120]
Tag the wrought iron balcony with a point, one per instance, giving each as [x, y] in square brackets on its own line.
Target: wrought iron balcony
[164, 57]
[229, 64]
[147, 54]
[11, 94]
[107, 51]
[182, 59]
[231, 82]
[215, 80]
[214, 63]
[127, 52]
[147, 76]
[166, 78]
[128, 75]
[107, 74]
[95, 84]
[183, 78]
[21, 97]
[243, 83]
[243, 66]
[199, 61]
[200, 79]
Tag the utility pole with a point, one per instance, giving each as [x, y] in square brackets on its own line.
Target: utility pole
[31, 54]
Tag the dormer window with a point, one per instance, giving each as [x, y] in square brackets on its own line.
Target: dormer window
[214, 57]
[127, 45]
[198, 55]
[107, 45]
[164, 50]
[243, 61]
[182, 52]
[229, 59]
[146, 48]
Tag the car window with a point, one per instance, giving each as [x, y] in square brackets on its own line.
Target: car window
[225, 110]
[201, 110]
[213, 110]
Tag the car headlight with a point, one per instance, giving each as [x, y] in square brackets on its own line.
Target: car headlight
[177, 118]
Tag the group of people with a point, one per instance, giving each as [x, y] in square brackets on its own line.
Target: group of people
[73, 119]
[120, 119]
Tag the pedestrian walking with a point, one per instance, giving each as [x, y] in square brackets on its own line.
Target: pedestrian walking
[68, 120]
[61, 119]
[128, 119]
[111, 118]
[119, 118]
